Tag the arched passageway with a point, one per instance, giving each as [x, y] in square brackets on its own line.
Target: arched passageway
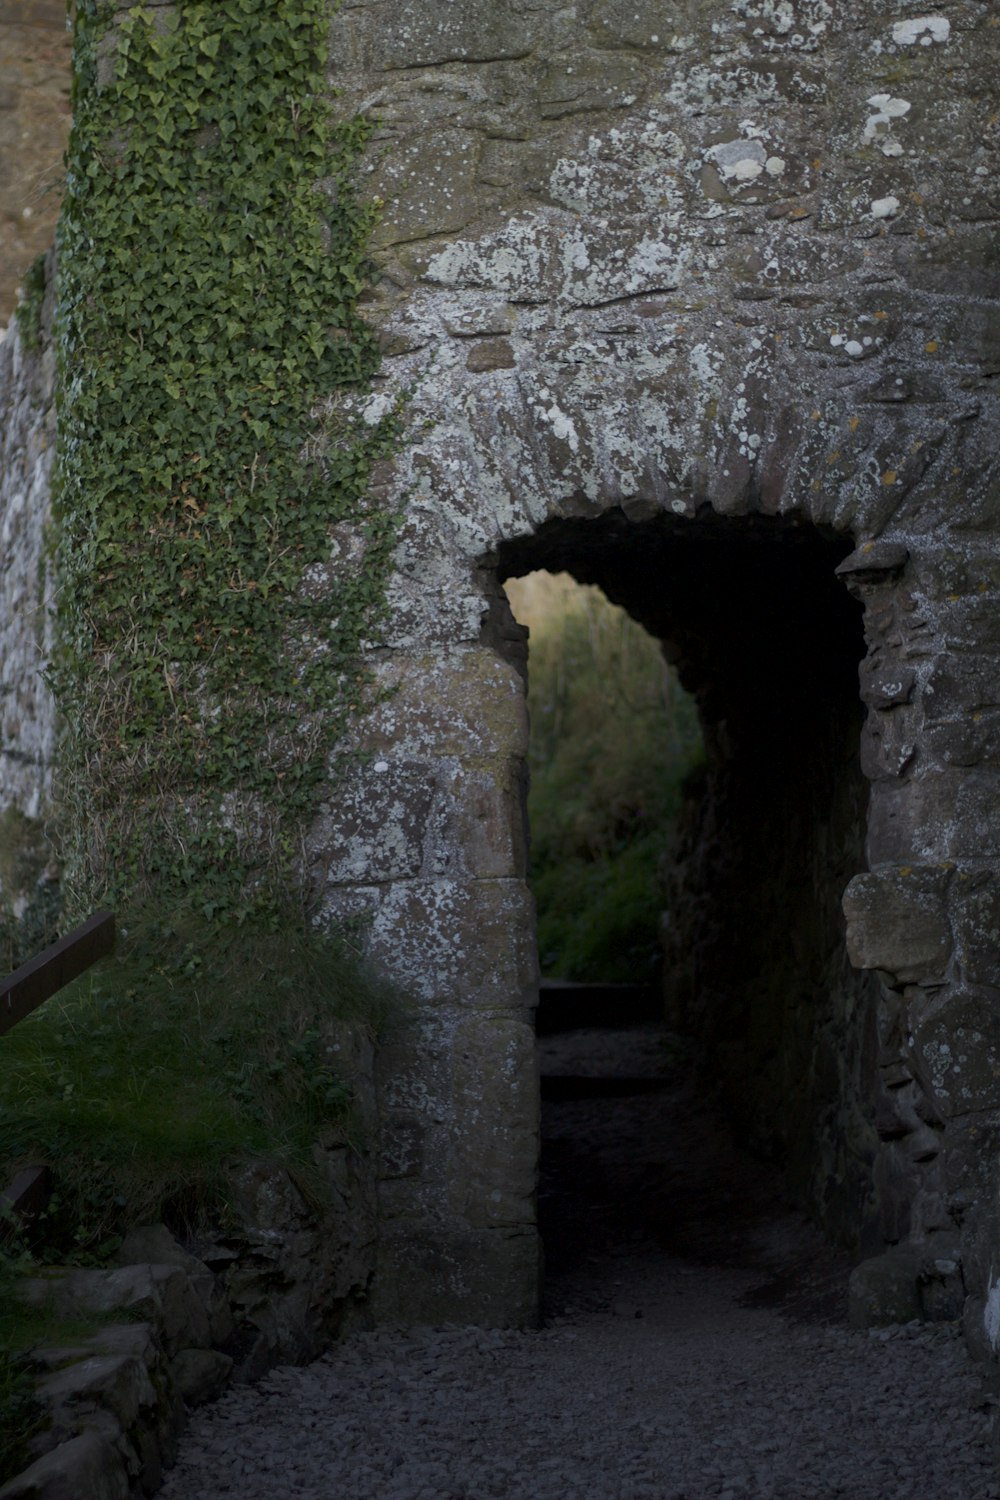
[768, 640]
[613, 742]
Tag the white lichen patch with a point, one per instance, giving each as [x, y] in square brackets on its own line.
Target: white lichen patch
[379, 406]
[923, 29]
[627, 168]
[532, 260]
[575, 253]
[793, 22]
[468, 316]
[879, 125]
[749, 444]
[781, 14]
[884, 208]
[701, 86]
[740, 161]
[943, 1066]
[573, 184]
[853, 348]
[512, 261]
[707, 364]
[562, 425]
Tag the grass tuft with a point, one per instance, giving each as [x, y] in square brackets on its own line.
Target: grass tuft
[194, 1048]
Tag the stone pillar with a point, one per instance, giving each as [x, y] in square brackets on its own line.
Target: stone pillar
[422, 845]
[926, 918]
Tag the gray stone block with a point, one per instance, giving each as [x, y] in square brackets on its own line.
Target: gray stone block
[154, 1244]
[897, 922]
[885, 1290]
[449, 1274]
[200, 1375]
[119, 1383]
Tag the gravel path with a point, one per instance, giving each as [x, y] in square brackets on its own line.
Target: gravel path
[694, 1347]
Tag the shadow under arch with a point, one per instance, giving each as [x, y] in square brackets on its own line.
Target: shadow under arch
[768, 641]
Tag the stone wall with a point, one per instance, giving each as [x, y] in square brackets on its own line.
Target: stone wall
[697, 300]
[27, 437]
[34, 124]
[658, 279]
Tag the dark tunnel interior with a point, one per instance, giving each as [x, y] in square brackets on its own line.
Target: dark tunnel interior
[767, 640]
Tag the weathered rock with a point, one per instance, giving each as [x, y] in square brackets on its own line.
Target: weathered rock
[87, 1466]
[974, 1331]
[118, 1382]
[116, 1401]
[885, 1290]
[960, 1046]
[163, 1295]
[200, 1375]
[153, 1244]
[897, 922]
[34, 124]
[497, 1274]
[27, 446]
[293, 1272]
[908, 1282]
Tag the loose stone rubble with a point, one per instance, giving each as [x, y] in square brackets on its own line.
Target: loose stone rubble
[693, 1349]
[696, 1399]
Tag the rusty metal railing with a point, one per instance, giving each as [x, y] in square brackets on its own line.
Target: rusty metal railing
[42, 977]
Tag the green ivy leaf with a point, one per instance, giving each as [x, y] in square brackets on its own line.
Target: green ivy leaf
[194, 294]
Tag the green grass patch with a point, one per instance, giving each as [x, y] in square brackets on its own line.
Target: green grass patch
[192, 1049]
[613, 738]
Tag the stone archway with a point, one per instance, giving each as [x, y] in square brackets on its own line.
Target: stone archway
[637, 274]
[768, 640]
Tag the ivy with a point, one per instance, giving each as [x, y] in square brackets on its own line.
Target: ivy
[29, 309]
[210, 256]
